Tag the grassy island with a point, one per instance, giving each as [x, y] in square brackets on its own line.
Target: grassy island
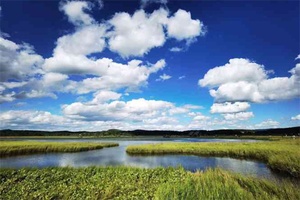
[12, 148]
[282, 155]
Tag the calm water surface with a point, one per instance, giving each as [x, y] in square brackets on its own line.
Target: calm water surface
[117, 156]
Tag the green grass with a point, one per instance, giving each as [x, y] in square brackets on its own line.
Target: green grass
[12, 148]
[282, 155]
[137, 183]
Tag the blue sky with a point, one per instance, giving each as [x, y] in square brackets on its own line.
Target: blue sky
[149, 64]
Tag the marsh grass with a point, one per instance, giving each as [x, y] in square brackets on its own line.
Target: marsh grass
[137, 183]
[222, 185]
[281, 155]
[12, 148]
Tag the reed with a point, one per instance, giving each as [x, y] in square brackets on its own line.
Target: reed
[137, 183]
[281, 155]
[13, 148]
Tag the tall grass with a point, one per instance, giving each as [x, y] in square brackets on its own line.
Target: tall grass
[283, 155]
[12, 148]
[219, 184]
[137, 183]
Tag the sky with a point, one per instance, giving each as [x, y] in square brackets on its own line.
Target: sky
[149, 64]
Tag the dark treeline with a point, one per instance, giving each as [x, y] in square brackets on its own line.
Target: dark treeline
[190, 133]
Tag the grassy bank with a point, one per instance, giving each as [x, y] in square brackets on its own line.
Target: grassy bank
[282, 155]
[12, 148]
[137, 183]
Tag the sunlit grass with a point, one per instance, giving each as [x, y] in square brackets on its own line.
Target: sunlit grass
[11, 148]
[137, 183]
[282, 155]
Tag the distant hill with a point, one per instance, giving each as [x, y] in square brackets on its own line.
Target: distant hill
[190, 133]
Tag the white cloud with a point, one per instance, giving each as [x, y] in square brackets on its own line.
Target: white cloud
[75, 10]
[200, 117]
[176, 49]
[116, 76]
[237, 91]
[238, 116]
[297, 117]
[33, 76]
[135, 35]
[53, 78]
[242, 80]
[238, 69]
[134, 110]
[30, 118]
[86, 40]
[164, 77]
[6, 97]
[178, 110]
[71, 57]
[268, 124]
[104, 96]
[298, 57]
[181, 77]
[160, 121]
[19, 67]
[144, 3]
[128, 35]
[107, 106]
[18, 62]
[192, 28]
[229, 107]
[41, 120]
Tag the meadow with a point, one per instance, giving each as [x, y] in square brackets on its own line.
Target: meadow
[281, 155]
[13, 148]
[137, 183]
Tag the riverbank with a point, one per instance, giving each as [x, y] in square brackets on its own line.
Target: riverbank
[13, 148]
[138, 183]
[282, 155]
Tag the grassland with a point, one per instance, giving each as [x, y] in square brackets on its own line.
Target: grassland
[281, 155]
[137, 183]
[12, 148]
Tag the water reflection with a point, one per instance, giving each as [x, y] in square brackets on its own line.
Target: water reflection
[117, 156]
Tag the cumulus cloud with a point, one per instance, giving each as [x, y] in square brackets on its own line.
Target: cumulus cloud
[18, 61]
[19, 65]
[192, 28]
[229, 107]
[107, 106]
[297, 117]
[238, 69]
[115, 76]
[133, 110]
[30, 119]
[76, 12]
[243, 80]
[238, 116]
[135, 35]
[86, 40]
[129, 35]
[164, 77]
[298, 57]
[268, 124]
[105, 96]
